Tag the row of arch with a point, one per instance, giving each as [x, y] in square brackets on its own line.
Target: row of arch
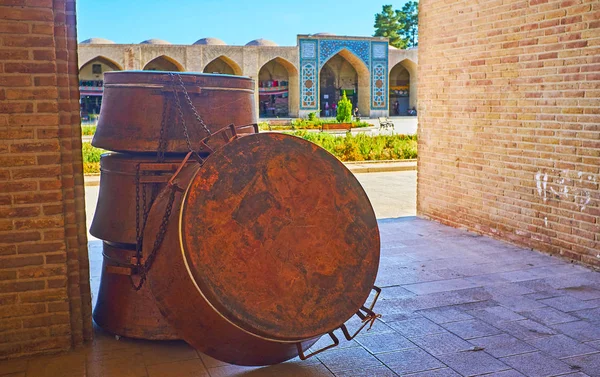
[278, 81]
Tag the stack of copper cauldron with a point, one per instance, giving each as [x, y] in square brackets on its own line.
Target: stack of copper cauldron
[255, 247]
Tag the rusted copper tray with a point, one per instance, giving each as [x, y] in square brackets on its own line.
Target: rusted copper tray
[273, 244]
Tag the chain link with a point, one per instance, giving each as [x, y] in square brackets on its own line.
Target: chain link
[189, 101]
[142, 269]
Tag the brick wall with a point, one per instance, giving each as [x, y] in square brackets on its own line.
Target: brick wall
[45, 303]
[509, 118]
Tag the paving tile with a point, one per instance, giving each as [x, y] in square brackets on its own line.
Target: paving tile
[236, 370]
[581, 330]
[348, 359]
[506, 373]
[519, 303]
[537, 364]
[502, 345]
[416, 327]
[210, 362]
[166, 352]
[589, 364]
[568, 303]
[496, 314]
[440, 286]
[70, 364]
[394, 293]
[561, 346]
[299, 369]
[526, 329]
[470, 329]
[384, 342]
[13, 366]
[444, 372]
[549, 316]
[589, 314]
[445, 314]
[440, 344]
[381, 371]
[121, 367]
[544, 294]
[410, 361]
[583, 292]
[473, 363]
[186, 368]
[508, 289]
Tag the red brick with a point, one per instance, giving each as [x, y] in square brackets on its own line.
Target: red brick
[24, 14]
[30, 68]
[17, 237]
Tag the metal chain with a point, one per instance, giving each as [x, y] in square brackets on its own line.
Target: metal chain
[180, 111]
[189, 101]
[143, 269]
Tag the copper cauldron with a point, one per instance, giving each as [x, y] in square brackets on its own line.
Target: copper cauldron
[122, 310]
[126, 183]
[271, 244]
[137, 105]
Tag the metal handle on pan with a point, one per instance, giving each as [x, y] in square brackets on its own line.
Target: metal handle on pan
[367, 318]
[335, 343]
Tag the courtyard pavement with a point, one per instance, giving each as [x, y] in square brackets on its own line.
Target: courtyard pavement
[453, 303]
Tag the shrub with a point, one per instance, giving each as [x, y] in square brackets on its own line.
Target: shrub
[88, 130]
[363, 147]
[344, 110]
[91, 158]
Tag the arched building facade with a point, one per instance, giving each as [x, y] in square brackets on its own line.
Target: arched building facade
[291, 81]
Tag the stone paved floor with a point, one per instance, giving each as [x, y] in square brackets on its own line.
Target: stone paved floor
[453, 304]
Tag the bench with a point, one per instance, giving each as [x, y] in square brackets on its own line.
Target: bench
[336, 126]
[385, 123]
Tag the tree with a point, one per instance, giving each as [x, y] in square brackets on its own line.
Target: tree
[344, 109]
[387, 24]
[401, 27]
[409, 20]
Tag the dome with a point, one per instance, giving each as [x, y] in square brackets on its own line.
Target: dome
[261, 42]
[155, 41]
[98, 41]
[210, 41]
[325, 34]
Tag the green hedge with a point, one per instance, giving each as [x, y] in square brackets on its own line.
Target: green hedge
[363, 147]
[359, 147]
[91, 158]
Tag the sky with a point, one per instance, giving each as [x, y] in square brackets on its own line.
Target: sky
[234, 21]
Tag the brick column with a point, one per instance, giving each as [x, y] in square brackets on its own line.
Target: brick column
[45, 303]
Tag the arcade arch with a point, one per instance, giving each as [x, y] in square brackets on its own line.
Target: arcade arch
[344, 72]
[278, 88]
[91, 84]
[163, 63]
[223, 65]
[402, 87]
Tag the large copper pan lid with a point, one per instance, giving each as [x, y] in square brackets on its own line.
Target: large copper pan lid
[279, 237]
